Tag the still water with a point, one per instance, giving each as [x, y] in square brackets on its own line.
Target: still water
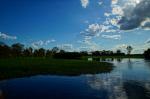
[130, 79]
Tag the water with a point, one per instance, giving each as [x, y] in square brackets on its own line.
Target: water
[130, 79]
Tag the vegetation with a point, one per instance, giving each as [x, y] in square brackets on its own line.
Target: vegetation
[147, 54]
[18, 50]
[129, 49]
[17, 61]
[27, 66]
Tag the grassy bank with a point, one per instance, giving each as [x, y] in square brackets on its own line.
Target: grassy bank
[20, 67]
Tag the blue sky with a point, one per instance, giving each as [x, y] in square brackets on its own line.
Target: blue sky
[76, 24]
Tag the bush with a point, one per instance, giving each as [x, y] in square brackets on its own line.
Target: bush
[67, 55]
[147, 54]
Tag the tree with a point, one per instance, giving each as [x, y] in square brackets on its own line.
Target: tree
[17, 49]
[5, 50]
[48, 53]
[147, 54]
[39, 52]
[129, 49]
[62, 51]
[55, 50]
[118, 51]
[84, 53]
[28, 52]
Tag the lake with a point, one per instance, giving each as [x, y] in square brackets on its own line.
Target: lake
[130, 79]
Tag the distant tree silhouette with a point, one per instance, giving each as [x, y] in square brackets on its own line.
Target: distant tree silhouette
[96, 53]
[147, 54]
[118, 51]
[55, 49]
[17, 49]
[129, 49]
[84, 53]
[62, 51]
[42, 52]
[39, 52]
[28, 52]
[48, 53]
[5, 50]
[67, 55]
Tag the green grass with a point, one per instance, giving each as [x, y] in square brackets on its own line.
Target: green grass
[20, 67]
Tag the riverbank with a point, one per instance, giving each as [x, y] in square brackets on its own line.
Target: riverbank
[126, 56]
[19, 67]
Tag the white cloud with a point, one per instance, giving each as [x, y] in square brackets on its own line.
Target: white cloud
[66, 47]
[117, 10]
[114, 1]
[107, 14]
[37, 44]
[100, 3]
[121, 47]
[41, 43]
[84, 3]
[147, 41]
[137, 48]
[50, 41]
[94, 30]
[116, 37]
[88, 45]
[7, 37]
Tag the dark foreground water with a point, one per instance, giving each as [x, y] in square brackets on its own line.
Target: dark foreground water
[130, 79]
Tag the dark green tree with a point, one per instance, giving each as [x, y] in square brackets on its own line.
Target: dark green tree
[129, 49]
[55, 50]
[5, 50]
[147, 54]
[28, 52]
[17, 49]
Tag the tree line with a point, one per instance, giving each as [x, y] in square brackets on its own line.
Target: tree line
[19, 50]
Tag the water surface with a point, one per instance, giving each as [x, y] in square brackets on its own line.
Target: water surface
[130, 79]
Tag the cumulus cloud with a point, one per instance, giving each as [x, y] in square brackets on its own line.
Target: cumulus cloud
[94, 30]
[7, 37]
[116, 37]
[84, 3]
[114, 1]
[40, 43]
[135, 13]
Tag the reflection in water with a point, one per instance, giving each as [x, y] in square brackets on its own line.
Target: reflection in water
[1, 94]
[119, 60]
[124, 84]
[129, 80]
[112, 83]
[135, 90]
[129, 63]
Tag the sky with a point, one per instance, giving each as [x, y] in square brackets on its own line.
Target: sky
[76, 25]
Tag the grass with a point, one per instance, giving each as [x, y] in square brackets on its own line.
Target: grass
[20, 67]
